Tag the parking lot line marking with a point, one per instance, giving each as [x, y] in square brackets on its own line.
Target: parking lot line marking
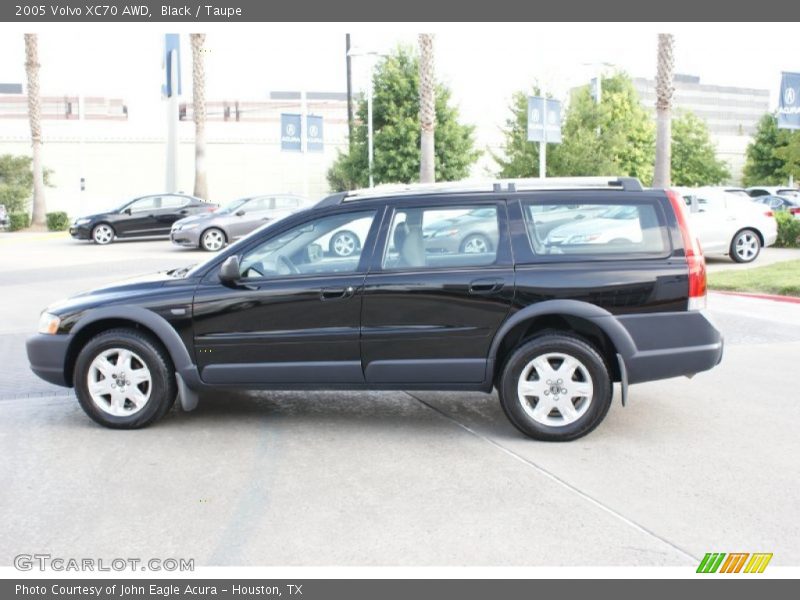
[558, 480]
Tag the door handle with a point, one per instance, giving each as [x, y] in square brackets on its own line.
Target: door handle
[486, 286]
[337, 293]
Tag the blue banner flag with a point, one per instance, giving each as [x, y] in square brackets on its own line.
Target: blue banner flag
[314, 137]
[544, 120]
[290, 132]
[789, 103]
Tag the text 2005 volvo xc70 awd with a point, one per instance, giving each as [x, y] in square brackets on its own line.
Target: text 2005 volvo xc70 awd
[549, 293]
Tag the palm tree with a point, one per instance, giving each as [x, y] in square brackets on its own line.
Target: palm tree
[199, 103]
[427, 109]
[35, 119]
[664, 90]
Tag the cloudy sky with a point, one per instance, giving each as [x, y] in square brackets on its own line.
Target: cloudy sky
[482, 63]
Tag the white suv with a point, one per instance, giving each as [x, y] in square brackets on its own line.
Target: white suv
[729, 225]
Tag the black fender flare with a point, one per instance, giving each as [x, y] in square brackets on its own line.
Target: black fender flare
[154, 322]
[608, 323]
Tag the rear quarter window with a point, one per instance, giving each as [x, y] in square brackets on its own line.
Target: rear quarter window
[603, 230]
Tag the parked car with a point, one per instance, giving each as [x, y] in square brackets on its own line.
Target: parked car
[3, 216]
[773, 190]
[781, 203]
[615, 225]
[212, 231]
[551, 327]
[140, 217]
[728, 225]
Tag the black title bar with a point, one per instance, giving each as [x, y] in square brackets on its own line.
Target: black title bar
[107, 11]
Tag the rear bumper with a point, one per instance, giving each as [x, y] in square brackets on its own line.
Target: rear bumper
[669, 345]
[47, 355]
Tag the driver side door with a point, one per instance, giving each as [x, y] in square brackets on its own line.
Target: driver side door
[294, 316]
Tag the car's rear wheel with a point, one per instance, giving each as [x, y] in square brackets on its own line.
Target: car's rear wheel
[344, 244]
[745, 246]
[555, 387]
[213, 240]
[103, 234]
[476, 244]
[124, 379]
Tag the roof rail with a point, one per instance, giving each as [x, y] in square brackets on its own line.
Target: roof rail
[628, 184]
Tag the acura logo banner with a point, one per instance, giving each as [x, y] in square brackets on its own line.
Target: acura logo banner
[789, 103]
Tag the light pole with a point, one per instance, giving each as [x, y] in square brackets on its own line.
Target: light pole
[598, 87]
[373, 55]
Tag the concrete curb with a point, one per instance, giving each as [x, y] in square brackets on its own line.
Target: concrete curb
[774, 297]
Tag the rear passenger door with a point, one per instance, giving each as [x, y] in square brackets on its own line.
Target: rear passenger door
[440, 284]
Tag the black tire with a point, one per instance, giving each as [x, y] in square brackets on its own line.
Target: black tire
[559, 343]
[204, 241]
[341, 234]
[163, 387]
[485, 241]
[103, 240]
[748, 238]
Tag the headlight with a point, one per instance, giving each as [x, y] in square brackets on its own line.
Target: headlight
[48, 323]
[81, 221]
[184, 227]
[583, 239]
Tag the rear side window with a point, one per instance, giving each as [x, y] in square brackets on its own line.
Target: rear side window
[612, 230]
[442, 237]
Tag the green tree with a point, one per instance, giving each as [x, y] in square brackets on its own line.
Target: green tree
[694, 161]
[615, 138]
[397, 130]
[16, 182]
[773, 155]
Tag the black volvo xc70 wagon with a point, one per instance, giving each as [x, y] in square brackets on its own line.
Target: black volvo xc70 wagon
[548, 292]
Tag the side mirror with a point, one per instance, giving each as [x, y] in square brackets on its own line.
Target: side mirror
[229, 270]
[239, 212]
[127, 211]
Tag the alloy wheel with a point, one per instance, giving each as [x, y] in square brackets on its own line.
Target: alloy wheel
[103, 234]
[119, 382]
[746, 246]
[555, 389]
[213, 240]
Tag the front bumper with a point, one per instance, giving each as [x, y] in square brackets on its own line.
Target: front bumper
[80, 232]
[47, 355]
[189, 238]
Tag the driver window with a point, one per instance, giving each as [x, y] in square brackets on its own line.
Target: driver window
[327, 245]
[144, 204]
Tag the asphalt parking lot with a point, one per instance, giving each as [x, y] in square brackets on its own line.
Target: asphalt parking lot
[392, 478]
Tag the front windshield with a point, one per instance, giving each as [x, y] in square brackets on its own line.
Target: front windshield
[232, 206]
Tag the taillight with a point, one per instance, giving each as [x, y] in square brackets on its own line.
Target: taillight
[769, 213]
[694, 254]
[795, 210]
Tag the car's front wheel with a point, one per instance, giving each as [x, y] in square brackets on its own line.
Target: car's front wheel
[124, 379]
[213, 240]
[745, 246]
[555, 387]
[103, 234]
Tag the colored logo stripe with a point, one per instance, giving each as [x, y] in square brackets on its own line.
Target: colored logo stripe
[713, 562]
[758, 563]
